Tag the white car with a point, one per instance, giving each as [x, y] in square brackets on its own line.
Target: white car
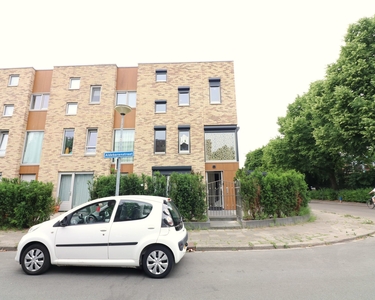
[120, 231]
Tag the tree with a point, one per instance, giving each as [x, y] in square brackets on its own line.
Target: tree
[254, 159]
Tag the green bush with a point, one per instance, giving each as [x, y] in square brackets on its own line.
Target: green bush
[354, 195]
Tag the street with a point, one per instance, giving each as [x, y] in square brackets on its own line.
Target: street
[341, 271]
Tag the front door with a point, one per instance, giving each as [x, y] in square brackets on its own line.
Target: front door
[215, 190]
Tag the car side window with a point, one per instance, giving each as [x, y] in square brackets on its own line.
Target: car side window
[129, 210]
[95, 213]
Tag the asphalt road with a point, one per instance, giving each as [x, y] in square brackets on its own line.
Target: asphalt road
[342, 271]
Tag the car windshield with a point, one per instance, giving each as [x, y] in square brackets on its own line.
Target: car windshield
[176, 216]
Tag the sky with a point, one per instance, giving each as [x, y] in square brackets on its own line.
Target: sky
[278, 47]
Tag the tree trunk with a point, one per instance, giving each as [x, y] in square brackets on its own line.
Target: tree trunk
[332, 179]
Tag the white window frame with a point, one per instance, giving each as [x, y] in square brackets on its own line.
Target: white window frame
[4, 136]
[92, 94]
[183, 91]
[43, 103]
[8, 110]
[128, 101]
[71, 106]
[91, 149]
[65, 136]
[14, 80]
[215, 85]
[161, 75]
[160, 104]
[75, 83]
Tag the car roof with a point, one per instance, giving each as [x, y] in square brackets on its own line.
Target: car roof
[158, 199]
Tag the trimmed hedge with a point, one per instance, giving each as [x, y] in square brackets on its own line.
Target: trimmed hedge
[357, 195]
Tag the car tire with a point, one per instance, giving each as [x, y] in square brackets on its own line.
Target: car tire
[35, 259]
[157, 261]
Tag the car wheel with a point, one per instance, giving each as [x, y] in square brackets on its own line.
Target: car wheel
[158, 261]
[35, 259]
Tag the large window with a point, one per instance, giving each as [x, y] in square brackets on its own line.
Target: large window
[8, 110]
[68, 141]
[161, 75]
[160, 139]
[160, 106]
[184, 139]
[13, 80]
[124, 143]
[215, 97]
[33, 148]
[39, 102]
[74, 83]
[95, 94]
[184, 96]
[221, 143]
[3, 141]
[127, 98]
[92, 135]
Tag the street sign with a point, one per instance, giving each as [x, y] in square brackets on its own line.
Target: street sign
[115, 154]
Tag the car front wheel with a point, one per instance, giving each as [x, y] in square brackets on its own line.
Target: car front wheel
[158, 261]
[35, 259]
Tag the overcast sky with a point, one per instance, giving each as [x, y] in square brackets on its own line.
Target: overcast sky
[278, 47]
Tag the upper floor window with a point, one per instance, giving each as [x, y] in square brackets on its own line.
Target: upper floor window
[215, 97]
[71, 108]
[220, 143]
[126, 98]
[13, 80]
[33, 148]
[3, 141]
[39, 102]
[160, 106]
[160, 141]
[95, 94]
[68, 141]
[184, 139]
[8, 110]
[75, 83]
[124, 143]
[161, 75]
[184, 96]
[92, 136]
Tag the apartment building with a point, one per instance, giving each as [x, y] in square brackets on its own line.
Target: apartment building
[57, 124]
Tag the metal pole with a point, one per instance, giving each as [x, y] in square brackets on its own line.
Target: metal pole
[119, 159]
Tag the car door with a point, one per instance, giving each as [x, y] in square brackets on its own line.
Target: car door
[86, 235]
[135, 225]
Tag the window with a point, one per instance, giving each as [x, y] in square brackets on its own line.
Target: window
[160, 106]
[13, 80]
[184, 139]
[127, 98]
[215, 91]
[74, 83]
[8, 110]
[92, 135]
[3, 142]
[71, 108]
[33, 148]
[161, 75]
[129, 210]
[220, 143]
[183, 95]
[95, 213]
[124, 143]
[95, 94]
[160, 139]
[39, 102]
[28, 177]
[68, 141]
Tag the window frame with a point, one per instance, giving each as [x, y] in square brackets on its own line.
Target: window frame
[73, 86]
[4, 136]
[43, 103]
[158, 129]
[183, 90]
[26, 149]
[220, 129]
[184, 129]
[92, 94]
[64, 145]
[127, 102]
[71, 104]
[214, 85]
[160, 103]
[88, 136]
[13, 77]
[161, 75]
[6, 108]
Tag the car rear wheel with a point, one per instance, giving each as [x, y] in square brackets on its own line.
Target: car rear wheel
[35, 259]
[158, 261]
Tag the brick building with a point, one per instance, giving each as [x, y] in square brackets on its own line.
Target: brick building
[57, 124]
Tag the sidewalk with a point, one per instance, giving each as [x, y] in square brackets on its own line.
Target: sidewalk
[328, 228]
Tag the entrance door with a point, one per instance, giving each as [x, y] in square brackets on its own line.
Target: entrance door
[73, 189]
[215, 190]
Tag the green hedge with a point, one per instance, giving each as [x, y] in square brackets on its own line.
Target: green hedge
[24, 204]
[357, 195]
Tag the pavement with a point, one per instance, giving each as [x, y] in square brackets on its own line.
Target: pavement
[323, 228]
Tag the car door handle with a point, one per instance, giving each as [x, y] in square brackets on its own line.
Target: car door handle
[103, 230]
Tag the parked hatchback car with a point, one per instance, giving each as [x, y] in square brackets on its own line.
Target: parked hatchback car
[120, 231]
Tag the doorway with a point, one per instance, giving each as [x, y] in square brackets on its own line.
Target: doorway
[215, 190]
